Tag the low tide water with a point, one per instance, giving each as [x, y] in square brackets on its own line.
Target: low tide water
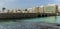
[24, 23]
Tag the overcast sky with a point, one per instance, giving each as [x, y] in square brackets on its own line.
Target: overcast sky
[26, 3]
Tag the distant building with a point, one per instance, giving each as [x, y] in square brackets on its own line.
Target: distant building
[51, 8]
[25, 11]
[30, 10]
[41, 9]
[8, 11]
[18, 11]
[36, 9]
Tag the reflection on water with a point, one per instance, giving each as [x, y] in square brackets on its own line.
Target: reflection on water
[17, 23]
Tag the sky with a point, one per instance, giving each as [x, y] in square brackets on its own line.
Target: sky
[26, 3]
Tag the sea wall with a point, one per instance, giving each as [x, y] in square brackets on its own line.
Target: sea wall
[18, 15]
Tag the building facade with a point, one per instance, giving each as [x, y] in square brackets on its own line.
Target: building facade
[41, 9]
[51, 8]
[36, 9]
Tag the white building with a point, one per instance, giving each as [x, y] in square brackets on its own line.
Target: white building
[41, 9]
[50, 8]
[36, 9]
[30, 10]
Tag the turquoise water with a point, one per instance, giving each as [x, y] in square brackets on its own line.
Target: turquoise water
[19, 23]
[52, 19]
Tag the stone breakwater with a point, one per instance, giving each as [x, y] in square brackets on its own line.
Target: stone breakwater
[18, 15]
[24, 15]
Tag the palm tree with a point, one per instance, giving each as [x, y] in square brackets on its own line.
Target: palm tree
[3, 9]
[25, 9]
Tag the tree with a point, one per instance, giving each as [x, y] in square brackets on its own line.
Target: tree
[3, 9]
[25, 9]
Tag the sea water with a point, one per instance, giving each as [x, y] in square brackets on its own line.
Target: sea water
[26, 23]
